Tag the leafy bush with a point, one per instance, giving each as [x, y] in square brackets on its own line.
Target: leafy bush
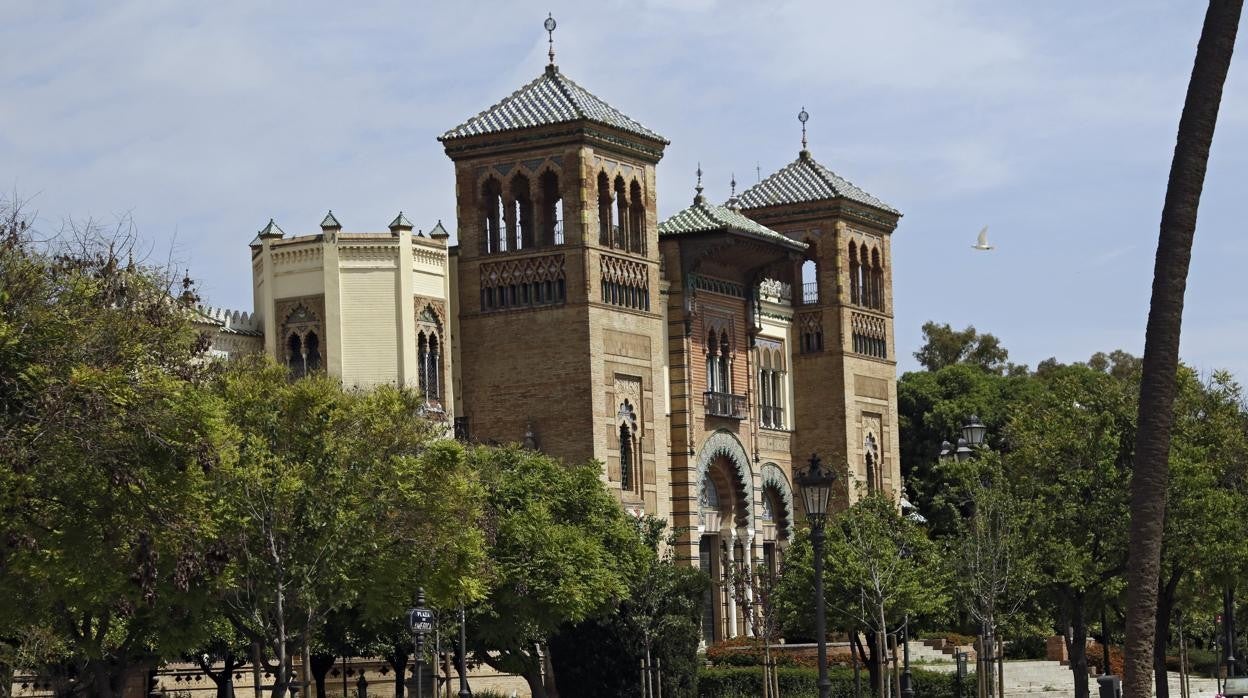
[803, 683]
[1200, 662]
[1027, 647]
[748, 652]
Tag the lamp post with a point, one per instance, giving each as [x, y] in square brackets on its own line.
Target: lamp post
[816, 488]
[907, 682]
[420, 623]
[464, 692]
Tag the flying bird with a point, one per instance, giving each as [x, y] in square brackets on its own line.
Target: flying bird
[982, 242]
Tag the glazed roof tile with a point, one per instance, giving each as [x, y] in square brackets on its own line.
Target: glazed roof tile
[551, 98]
[806, 180]
[704, 217]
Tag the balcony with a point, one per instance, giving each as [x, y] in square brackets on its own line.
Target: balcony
[724, 405]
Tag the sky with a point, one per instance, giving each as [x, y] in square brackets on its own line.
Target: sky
[1052, 123]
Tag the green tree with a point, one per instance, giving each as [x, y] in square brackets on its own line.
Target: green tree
[1207, 509]
[106, 448]
[561, 549]
[1069, 460]
[334, 498]
[944, 346]
[879, 568]
[659, 620]
[932, 406]
[1161, 337]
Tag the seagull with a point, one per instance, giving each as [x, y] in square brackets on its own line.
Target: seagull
[982, 243]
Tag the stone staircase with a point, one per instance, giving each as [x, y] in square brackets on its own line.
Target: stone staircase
[1034, 678]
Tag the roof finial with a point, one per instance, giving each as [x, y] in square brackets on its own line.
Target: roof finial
[803, 117]
[550, 35]
[733, 184]
[698, 188]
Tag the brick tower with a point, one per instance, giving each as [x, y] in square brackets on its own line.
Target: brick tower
[558, 291]
[843, 362]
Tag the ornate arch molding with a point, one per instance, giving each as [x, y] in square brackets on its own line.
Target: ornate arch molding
[724, 443]
[773, 477]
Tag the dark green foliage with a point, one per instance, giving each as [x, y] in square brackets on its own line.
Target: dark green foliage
[944, 346]
[602, 656]
[803, 683]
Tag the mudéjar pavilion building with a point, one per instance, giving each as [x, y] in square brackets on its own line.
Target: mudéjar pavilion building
[699, 358]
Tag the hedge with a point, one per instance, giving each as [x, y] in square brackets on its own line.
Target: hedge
[803, 683]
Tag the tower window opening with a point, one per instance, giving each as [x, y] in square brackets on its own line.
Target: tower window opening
[636, 219]
[604, 210]
[520, 227]
[725, 375]
[294, 356]
[854, 276]
[810, 282]
[312, 352]
[492, 213]
[551, 206]
[620, 236]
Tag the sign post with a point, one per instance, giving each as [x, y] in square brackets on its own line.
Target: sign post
[420, 623]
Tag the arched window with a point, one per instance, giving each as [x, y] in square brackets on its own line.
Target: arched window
[552, 199]
[620, 234]
[636, 219]
[312, 352]
[810, 282]
[422, 356]
[520, 226]
[853, 274]
[604, 210]
[877, 280]
[872, 462]
[492, 214]
[712, 363]
[428, 355]
[864, 277]
[294, 356]
[626, 457]
[434, 387]
[725, 375]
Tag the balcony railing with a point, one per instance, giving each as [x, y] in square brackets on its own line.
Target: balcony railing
[724, 405]
[810, 293]
[771, 417]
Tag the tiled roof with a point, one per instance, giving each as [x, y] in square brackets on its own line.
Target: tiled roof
[439, 231]
[329, 221]
[552, 98]
[400, 221]
[806, 180]
[703, 217]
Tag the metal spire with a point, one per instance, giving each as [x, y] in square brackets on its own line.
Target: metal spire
[550, 36]
[733, 184]
[803, 117]
[698, 188]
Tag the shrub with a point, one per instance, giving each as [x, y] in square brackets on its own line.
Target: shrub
[802, 683]
[748, 652]
[1027, 647]
[1201, 662]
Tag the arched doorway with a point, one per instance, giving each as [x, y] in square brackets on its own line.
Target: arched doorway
[726, 532]
[777, 515]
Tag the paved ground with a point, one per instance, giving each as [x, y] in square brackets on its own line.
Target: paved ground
[1041, 679]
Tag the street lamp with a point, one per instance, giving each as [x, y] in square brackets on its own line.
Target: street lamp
[816, 488]
[464, 691]
[420, 623]
[974, 432]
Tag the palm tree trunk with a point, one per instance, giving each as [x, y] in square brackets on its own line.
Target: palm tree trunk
[1161, 339]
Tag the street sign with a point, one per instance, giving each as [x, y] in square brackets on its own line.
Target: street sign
[420, 620]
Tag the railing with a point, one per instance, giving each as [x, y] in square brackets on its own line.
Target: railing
[771, 417]
[724, 405]
[810, 293]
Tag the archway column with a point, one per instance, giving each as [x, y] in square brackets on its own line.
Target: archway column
[732, 602]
